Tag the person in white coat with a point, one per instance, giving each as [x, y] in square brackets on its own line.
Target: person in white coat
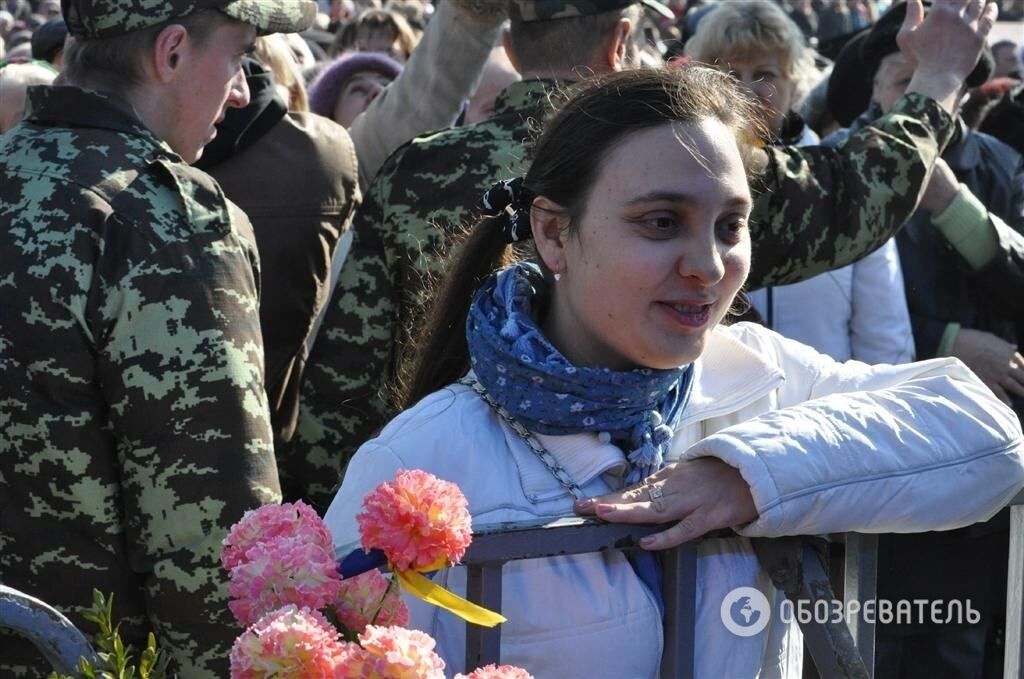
[587, 371]
[856, 311]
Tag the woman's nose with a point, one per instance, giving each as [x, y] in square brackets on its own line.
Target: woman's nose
[703, 261]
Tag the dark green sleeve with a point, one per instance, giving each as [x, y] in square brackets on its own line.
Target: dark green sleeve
[181, 367]
[818, 208]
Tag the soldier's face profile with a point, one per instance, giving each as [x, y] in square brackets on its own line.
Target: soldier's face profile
[211, 80]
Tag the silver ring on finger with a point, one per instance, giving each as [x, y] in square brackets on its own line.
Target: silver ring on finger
[657, 495]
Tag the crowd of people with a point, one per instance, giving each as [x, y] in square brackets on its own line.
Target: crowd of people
[738, 264]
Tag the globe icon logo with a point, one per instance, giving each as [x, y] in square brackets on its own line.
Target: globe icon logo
[745, 611]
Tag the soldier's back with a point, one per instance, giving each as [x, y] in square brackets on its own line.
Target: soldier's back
[99, 225]
[423, 195]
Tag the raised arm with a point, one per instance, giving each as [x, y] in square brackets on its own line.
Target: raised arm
[870, 449]
[817, 209]
[428, 94]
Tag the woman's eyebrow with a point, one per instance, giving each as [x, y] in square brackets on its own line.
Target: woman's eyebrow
[667, 196]
[684, 198]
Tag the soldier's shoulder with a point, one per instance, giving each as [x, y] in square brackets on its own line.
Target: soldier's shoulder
[473, 150]
[114, 173]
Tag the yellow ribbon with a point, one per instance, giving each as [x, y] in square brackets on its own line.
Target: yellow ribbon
[425, 589]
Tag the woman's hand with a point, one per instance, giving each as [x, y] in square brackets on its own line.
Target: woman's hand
[704, 494]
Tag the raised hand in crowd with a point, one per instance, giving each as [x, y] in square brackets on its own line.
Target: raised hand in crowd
[944, 45]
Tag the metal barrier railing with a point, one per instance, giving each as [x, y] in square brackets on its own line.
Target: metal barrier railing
[793, 564]
[1013, 658]
[58, 640]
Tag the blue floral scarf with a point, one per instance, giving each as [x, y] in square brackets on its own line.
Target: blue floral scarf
[521, 370]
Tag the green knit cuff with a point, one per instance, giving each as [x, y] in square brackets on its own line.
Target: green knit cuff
[965, 224]
[945, 347]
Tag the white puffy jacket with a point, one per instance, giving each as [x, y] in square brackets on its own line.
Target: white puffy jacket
[826, 447]
[858, 311]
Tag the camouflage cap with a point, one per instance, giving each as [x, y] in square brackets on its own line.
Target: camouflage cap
[545, 10]
[107, 18]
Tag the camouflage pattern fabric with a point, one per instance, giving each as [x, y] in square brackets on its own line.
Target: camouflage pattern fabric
[392, 251]
[547, 10]
[816, 209]
[134, 428]
[107, 18]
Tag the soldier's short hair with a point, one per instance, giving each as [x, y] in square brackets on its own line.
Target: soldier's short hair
[564, 42]
[115, 64]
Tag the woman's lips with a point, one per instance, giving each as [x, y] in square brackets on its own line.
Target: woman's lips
[687, 315]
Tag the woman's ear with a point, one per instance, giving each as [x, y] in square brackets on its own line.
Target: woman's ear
[550, 224]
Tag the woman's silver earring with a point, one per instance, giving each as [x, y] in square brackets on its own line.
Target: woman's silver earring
[558, 277]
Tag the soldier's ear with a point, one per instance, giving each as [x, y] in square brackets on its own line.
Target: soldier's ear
[617, 51]
[168, 52]
[506, 42]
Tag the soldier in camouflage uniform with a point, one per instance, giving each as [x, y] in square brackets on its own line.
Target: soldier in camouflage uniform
[133, 423]
[815, 208]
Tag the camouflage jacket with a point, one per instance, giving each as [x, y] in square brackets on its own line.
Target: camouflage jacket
[815, 209]
[133, 423]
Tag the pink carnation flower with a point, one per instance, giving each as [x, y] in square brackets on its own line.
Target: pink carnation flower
[398, 653]
[289, 642]
[270, 522]
[496, 672]
[419, 521]
[365, 597]
[283, 571]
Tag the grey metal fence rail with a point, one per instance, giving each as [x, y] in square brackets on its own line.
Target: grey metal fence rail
[793, 564]
[1013, 658]
[58, 640]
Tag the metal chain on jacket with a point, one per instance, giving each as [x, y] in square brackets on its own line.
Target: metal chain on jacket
[536, 446]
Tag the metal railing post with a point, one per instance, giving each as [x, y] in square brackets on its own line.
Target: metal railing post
[792, 563]
[860, 573]
[679, 590]
[483, 586]
[1013, 658]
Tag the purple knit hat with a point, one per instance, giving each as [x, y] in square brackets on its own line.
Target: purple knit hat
[323, 93]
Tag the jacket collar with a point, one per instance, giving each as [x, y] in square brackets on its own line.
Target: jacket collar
[525, 95]
[68, 106]
[727, 377]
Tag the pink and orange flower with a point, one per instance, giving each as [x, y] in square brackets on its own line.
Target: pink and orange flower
[497, 672]
[280, 572]
[290, 642]
[420, 522]
[270, 522]
[398, 653]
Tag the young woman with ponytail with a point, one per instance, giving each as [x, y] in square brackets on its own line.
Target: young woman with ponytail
[601, 364]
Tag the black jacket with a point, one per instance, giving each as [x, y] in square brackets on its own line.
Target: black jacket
[941, 288]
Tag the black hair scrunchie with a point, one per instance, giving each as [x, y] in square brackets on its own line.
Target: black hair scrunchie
[510, 201]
